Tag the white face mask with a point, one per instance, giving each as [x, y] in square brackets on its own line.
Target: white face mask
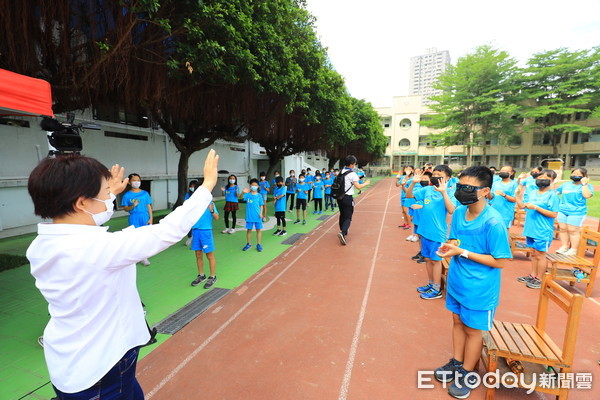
[102, 217]
[262, 178]
[192, 189]
[301, 179]
[232, 181]
[135, 185]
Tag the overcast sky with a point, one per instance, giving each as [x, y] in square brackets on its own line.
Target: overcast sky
[370, 42]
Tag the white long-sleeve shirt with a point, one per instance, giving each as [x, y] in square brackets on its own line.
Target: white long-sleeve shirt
[88, 277]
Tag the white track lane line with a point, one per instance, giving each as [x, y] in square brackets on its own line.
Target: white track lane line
[354, 346]
[216, 333]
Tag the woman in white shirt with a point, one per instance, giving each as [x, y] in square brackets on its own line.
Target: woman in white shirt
[88, 275]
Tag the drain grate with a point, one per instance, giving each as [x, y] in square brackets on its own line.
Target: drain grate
[293, 238]
[180, 318]
[323, 217]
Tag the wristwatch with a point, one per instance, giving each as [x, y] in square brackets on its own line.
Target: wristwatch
[465, 255]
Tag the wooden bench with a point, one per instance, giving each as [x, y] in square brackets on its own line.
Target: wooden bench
[517, 243]
[561, 266]
[531, 345]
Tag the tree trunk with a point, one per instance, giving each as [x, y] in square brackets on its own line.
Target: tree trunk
[182, 176]
[272, 162]
[331, 163]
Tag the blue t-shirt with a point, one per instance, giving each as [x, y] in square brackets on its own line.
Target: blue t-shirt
[530, 186]
[232, 193]
[263, 186]
[538, 226]
[406, 202]
[274, 182]
[417, 213]
[500, 204]
[144, 199]
[310, 179]
[496, 179]
[328, 182]
[432, 221]
[290, 183]
[318, 186]
[474, 285]
[279, 203]
[404, 187]
[572, 201]
[205, 221]
[300, 190]
[253, 204]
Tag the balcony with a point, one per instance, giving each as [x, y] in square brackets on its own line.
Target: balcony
[591, 146]
[456, 150]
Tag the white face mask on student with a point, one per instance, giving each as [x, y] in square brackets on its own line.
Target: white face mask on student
[135, 185]
[103, 217]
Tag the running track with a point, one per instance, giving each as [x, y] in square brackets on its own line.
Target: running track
[324, 321]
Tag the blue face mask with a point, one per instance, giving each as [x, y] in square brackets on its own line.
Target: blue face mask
[254, 188]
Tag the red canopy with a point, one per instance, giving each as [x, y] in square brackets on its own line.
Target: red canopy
[22, 95]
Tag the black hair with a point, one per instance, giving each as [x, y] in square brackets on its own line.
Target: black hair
[56, 184]
[194, 183]
[134, 174]
[484, 175]
[549, 172]
[512, 173]
[276, 172]
[494, 168]
[429, 174]
[445, 169]
[538, 168]
[350, 159]
[291, 170]
[254, 180]
[308, 169]
[278, 179]
[234, 177]
[582, 170]
[301, 175]
[262, 173]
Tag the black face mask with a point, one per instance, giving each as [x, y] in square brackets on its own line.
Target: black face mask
[435, 180]
[535, 174]
[542, 183]
[503, 175]
[466, 198]
[576, 178]
[424, 183]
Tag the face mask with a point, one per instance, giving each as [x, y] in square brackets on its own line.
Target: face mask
[232, 181]
[301, 179]
[262, 178]
[292, 175]
[318, 179]
[276, 175]
[326, 176]
[424, 183]
[535, 174]
[192, 189]
[466, 198]
[503, 175]
[104, 216]
[136, 184]
[254, 188]
[576, 178]
[435, 180]
[542, 183]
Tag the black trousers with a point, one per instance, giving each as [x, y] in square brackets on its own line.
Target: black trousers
[346, 206]
[318, 204]
[287, 199]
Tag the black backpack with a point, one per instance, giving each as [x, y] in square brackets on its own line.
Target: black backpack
[338, 189]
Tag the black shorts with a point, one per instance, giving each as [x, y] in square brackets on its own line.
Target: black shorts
[300, 203]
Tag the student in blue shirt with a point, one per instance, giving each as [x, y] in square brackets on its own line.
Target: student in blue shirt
[529, 181]
[496, 177]
[232, 192]
[479, 249]
[264, 189]
[255, 210]
[542, 208]
[403, 182]
[310, 180]
[433, 228]
[503, 194]
[191, 189]
[318, 187]
[302, 189]
[573, 210]
[290, 184]
[328, 181]
[416, 212]
[138, 203]
[279, 195]
[274, 180]
[203, 242]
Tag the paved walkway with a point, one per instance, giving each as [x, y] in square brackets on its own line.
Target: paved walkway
[324, 321]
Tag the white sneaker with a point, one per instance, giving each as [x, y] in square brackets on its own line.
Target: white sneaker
[570, 252]
[226, 230]
[562, 250]
[231, 230]
[409, 238]
[415, 238]
[188, 242]
[145, 262]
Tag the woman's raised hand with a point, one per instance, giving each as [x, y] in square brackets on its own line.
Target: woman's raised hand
[211, 171]
[116, 182]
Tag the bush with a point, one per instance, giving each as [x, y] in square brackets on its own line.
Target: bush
[9, 261]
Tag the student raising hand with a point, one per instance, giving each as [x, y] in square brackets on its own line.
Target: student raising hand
[443, 185]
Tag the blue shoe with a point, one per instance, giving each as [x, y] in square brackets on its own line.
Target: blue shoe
[320, 212]
[314, 212]
[462, 385]
[258, 247]
[423, 289]
[431, 294]
[445, 373]
[297, 221]
[246, 247]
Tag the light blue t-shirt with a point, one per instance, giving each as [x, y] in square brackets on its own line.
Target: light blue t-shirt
[328, 182]
[500, 204]
[144, 199]
[232, 193]
[263, 185]
[474, 285]
[205, 221]
[279, 203]
[253, 204]
[318, 187]
[406, 202]
[417, 213]
[310, 179]
[274, 182]
[432, 221]
[530, 186]
[572, 201]
[496, 178]
[403, 187]
[300, 190]
[538, 226]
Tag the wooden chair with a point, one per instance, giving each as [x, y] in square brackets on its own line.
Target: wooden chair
[531, 345]
[587, 265]
[519, 216]
[517, 243]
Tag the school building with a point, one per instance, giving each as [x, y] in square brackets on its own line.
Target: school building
[132, 141]
[409, 143]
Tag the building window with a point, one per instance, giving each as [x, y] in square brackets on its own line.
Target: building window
[581, 116]
[389, 143]
[541, 139]
[405, 123]
[404, 143]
